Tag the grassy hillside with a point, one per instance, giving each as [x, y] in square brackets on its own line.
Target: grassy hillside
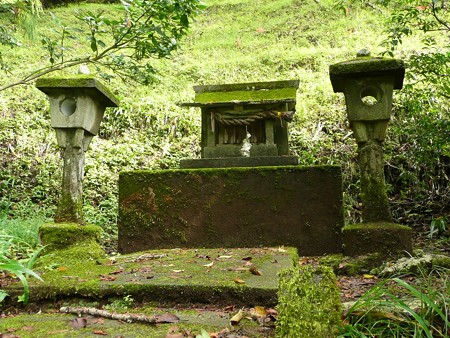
[231, 41]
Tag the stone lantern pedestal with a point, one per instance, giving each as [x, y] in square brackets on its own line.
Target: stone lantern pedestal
[368, 84]
[77, 105]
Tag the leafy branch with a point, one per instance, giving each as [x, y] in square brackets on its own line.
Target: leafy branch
[122, 47]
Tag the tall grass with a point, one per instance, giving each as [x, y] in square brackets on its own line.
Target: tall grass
[395, 308]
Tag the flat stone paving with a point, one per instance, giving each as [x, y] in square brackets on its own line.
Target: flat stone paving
[190, 278]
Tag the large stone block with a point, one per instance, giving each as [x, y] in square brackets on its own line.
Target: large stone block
[232, 207]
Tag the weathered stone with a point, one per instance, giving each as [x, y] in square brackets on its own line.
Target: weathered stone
[227, 162]
[234, 207]
[77, 105]
[379, 237]
[375, 203]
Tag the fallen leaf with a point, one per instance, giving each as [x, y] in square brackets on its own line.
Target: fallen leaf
[209, 265]
[260, 30]
[248, 263]
[78, 323]
[257, 312]
[166, 318]
[177, 271]
[62, 268]
[281, 249]
[11, 329]
[116, 272]
[107, 278]
[255, 271]
[28, 328]
[239, 281]
[237, 317]
[271, 312]
[247, 258]
[367, 276]
[100, 332]
[175, 335]
[225, 257]
[58, 331]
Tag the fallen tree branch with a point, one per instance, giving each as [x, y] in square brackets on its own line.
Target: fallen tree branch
[126, 317]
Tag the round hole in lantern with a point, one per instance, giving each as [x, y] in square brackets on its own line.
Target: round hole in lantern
[68, 106]
[371, 95]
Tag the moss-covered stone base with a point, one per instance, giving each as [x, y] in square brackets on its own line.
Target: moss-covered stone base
[232, 207]
[62, 235]
[69, 242]
[169, 276]
[308, 303]
[384, 238]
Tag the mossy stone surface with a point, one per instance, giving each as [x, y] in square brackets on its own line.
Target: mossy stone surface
[185, 276]
[309, 303]
[81, 83]
[232, 207]
[378, 237]
[63, 235]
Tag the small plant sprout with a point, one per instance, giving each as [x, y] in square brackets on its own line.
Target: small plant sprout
[438, 226]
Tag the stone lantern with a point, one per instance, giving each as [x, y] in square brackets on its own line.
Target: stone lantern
[368, 84]
[77, 105]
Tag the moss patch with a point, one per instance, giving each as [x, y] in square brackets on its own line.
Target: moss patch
[379, 237]
[80, 81]
[232, 207]
[247, 96]
[309, 304]
[172, 276]
[63, 235]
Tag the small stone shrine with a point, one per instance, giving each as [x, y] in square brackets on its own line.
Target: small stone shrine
[244, 124]
[245, 191]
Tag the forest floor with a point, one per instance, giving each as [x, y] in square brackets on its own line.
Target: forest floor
[32, 320]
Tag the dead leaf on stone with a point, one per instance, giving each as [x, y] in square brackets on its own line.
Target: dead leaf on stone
[107, 278]
[27, 328]
[257, 312]
[175, 335]
[255, 271]
[271, 312]
[237, 317]
[97, 320]
[239, 281]
[100, 332]
[166, 318]
[57, 332]
[78, 323]
[9, 335]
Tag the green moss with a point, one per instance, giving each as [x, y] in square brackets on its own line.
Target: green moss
[308, 303]
[52, 84]
[63, 235]
[375, 225]
[247, 96]
[366, 65]
[387, 239]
